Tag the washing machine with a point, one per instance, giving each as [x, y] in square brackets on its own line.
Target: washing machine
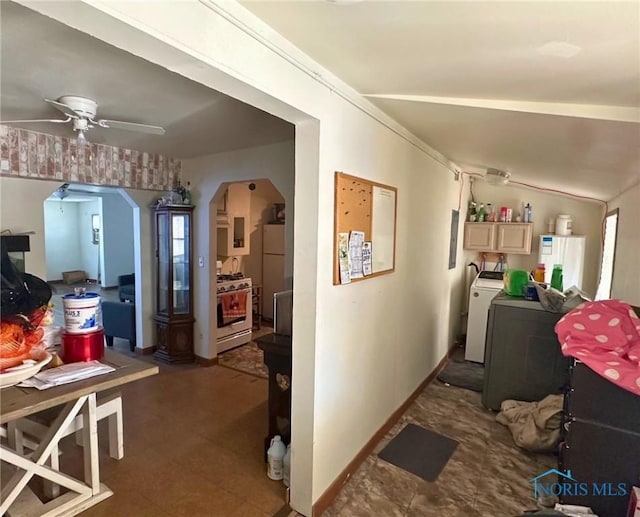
[485, 286]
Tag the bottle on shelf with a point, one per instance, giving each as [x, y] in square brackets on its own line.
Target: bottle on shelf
[488, 213]
[556, 277]
[473, 215]
[481, 213]
[188, 199]
[538, 276]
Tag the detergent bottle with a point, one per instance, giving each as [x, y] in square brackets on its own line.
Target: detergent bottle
[556, 277]
[275, 458]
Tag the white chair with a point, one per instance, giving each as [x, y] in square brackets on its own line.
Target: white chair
[27, 433]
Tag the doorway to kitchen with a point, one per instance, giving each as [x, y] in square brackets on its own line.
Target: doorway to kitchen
[250, 218]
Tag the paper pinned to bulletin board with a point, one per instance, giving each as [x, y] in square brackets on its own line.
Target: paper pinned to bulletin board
[364, 227]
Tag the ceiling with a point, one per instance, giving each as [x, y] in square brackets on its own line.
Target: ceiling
[468, 79]
[465, 77]
[44, 58]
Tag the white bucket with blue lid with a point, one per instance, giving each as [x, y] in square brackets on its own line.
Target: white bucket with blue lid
[82, 311]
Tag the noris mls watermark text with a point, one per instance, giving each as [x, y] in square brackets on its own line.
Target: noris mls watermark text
[547, 484]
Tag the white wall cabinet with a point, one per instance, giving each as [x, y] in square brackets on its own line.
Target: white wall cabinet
[499, 237]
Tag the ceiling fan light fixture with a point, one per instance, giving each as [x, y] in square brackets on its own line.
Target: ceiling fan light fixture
[81, 106]
[497, 177]
[82, 140]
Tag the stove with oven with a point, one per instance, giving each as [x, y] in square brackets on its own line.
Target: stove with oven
[234, 311]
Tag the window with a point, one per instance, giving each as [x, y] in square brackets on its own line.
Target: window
[608, 255]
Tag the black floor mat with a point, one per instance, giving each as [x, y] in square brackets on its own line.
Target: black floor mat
[419, 451]
[464, 374]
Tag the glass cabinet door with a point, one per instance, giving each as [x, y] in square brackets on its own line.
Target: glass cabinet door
[163, 263]
[181, 259]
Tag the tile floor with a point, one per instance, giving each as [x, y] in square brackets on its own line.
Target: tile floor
[247, 358]
[486, 475]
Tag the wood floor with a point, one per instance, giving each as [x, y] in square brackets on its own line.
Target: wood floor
[193, 446]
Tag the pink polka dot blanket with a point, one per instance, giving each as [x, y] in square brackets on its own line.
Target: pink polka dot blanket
[605, 335]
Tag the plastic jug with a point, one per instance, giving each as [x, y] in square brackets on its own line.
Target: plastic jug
[275, 458]
[515, 281]
[287, 466]
[564, 225]
[556, 277]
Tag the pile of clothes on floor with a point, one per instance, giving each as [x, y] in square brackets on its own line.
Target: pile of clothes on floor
[535, 426]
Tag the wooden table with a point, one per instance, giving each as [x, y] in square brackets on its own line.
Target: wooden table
[17, 498]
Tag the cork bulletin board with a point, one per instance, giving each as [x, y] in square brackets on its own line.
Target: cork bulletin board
[369, 207]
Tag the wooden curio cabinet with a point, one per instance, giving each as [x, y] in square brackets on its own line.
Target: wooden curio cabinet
[174, 261]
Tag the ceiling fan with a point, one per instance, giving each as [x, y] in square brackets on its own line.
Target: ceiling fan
[81, 111]
[66, 189]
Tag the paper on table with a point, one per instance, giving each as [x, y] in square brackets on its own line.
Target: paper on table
[65, 374]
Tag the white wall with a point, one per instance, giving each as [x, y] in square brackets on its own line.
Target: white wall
[626, 280]
[349, 375]
[117, 235]
[88, 250]
[62, 245]
[143, 246]
[586, 215]
[21, 211]
[68, 238]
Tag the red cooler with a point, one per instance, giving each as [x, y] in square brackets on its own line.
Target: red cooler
[82, 347]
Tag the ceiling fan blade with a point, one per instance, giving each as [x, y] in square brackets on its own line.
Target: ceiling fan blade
[131, 126]
[57, 121]
[62, 107]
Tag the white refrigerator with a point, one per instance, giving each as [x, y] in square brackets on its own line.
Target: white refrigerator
[567, 250]
[272, 265]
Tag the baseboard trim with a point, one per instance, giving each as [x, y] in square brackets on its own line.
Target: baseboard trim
[325, 500]
[145, 351]
[203, 361]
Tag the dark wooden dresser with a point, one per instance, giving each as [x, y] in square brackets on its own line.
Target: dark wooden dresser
[601, 439]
